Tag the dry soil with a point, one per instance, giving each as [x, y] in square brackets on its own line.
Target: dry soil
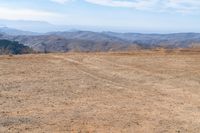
[138, 92]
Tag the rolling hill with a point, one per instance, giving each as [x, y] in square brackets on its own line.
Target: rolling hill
[16, 32]
[102, 41]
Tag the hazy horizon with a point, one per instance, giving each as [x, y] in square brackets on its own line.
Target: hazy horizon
[141, 16]
[45, 27]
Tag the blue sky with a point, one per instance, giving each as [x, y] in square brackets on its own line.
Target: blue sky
[138, 15]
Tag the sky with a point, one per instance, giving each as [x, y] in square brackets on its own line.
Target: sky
[127, 15]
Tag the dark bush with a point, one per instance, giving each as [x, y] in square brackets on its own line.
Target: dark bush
[13, 47]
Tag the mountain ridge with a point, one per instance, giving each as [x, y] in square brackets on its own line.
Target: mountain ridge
[65, 41]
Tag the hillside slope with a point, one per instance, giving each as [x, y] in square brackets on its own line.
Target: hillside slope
[104, 41]
[9, 47]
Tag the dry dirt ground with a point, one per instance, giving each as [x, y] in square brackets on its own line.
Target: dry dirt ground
[140, 92]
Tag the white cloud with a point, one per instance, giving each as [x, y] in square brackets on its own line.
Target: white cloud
[123, 3]
[154, 5]
[61, 1]
[183, 5]
[27, 14]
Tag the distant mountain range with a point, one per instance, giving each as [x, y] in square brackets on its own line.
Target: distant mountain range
[15, 32]
[99, 41]
[33, 26]
[43, 27]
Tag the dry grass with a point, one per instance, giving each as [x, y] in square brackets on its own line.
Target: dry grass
[146, 91]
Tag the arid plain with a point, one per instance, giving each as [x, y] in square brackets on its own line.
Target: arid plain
[144, 91]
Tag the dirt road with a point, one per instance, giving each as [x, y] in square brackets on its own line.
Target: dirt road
[100, 92]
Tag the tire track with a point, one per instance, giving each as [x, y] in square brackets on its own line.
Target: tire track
[84, 69]
[136, 68]
[155, 76]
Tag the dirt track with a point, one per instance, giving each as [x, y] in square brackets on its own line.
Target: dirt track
[104, 92]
